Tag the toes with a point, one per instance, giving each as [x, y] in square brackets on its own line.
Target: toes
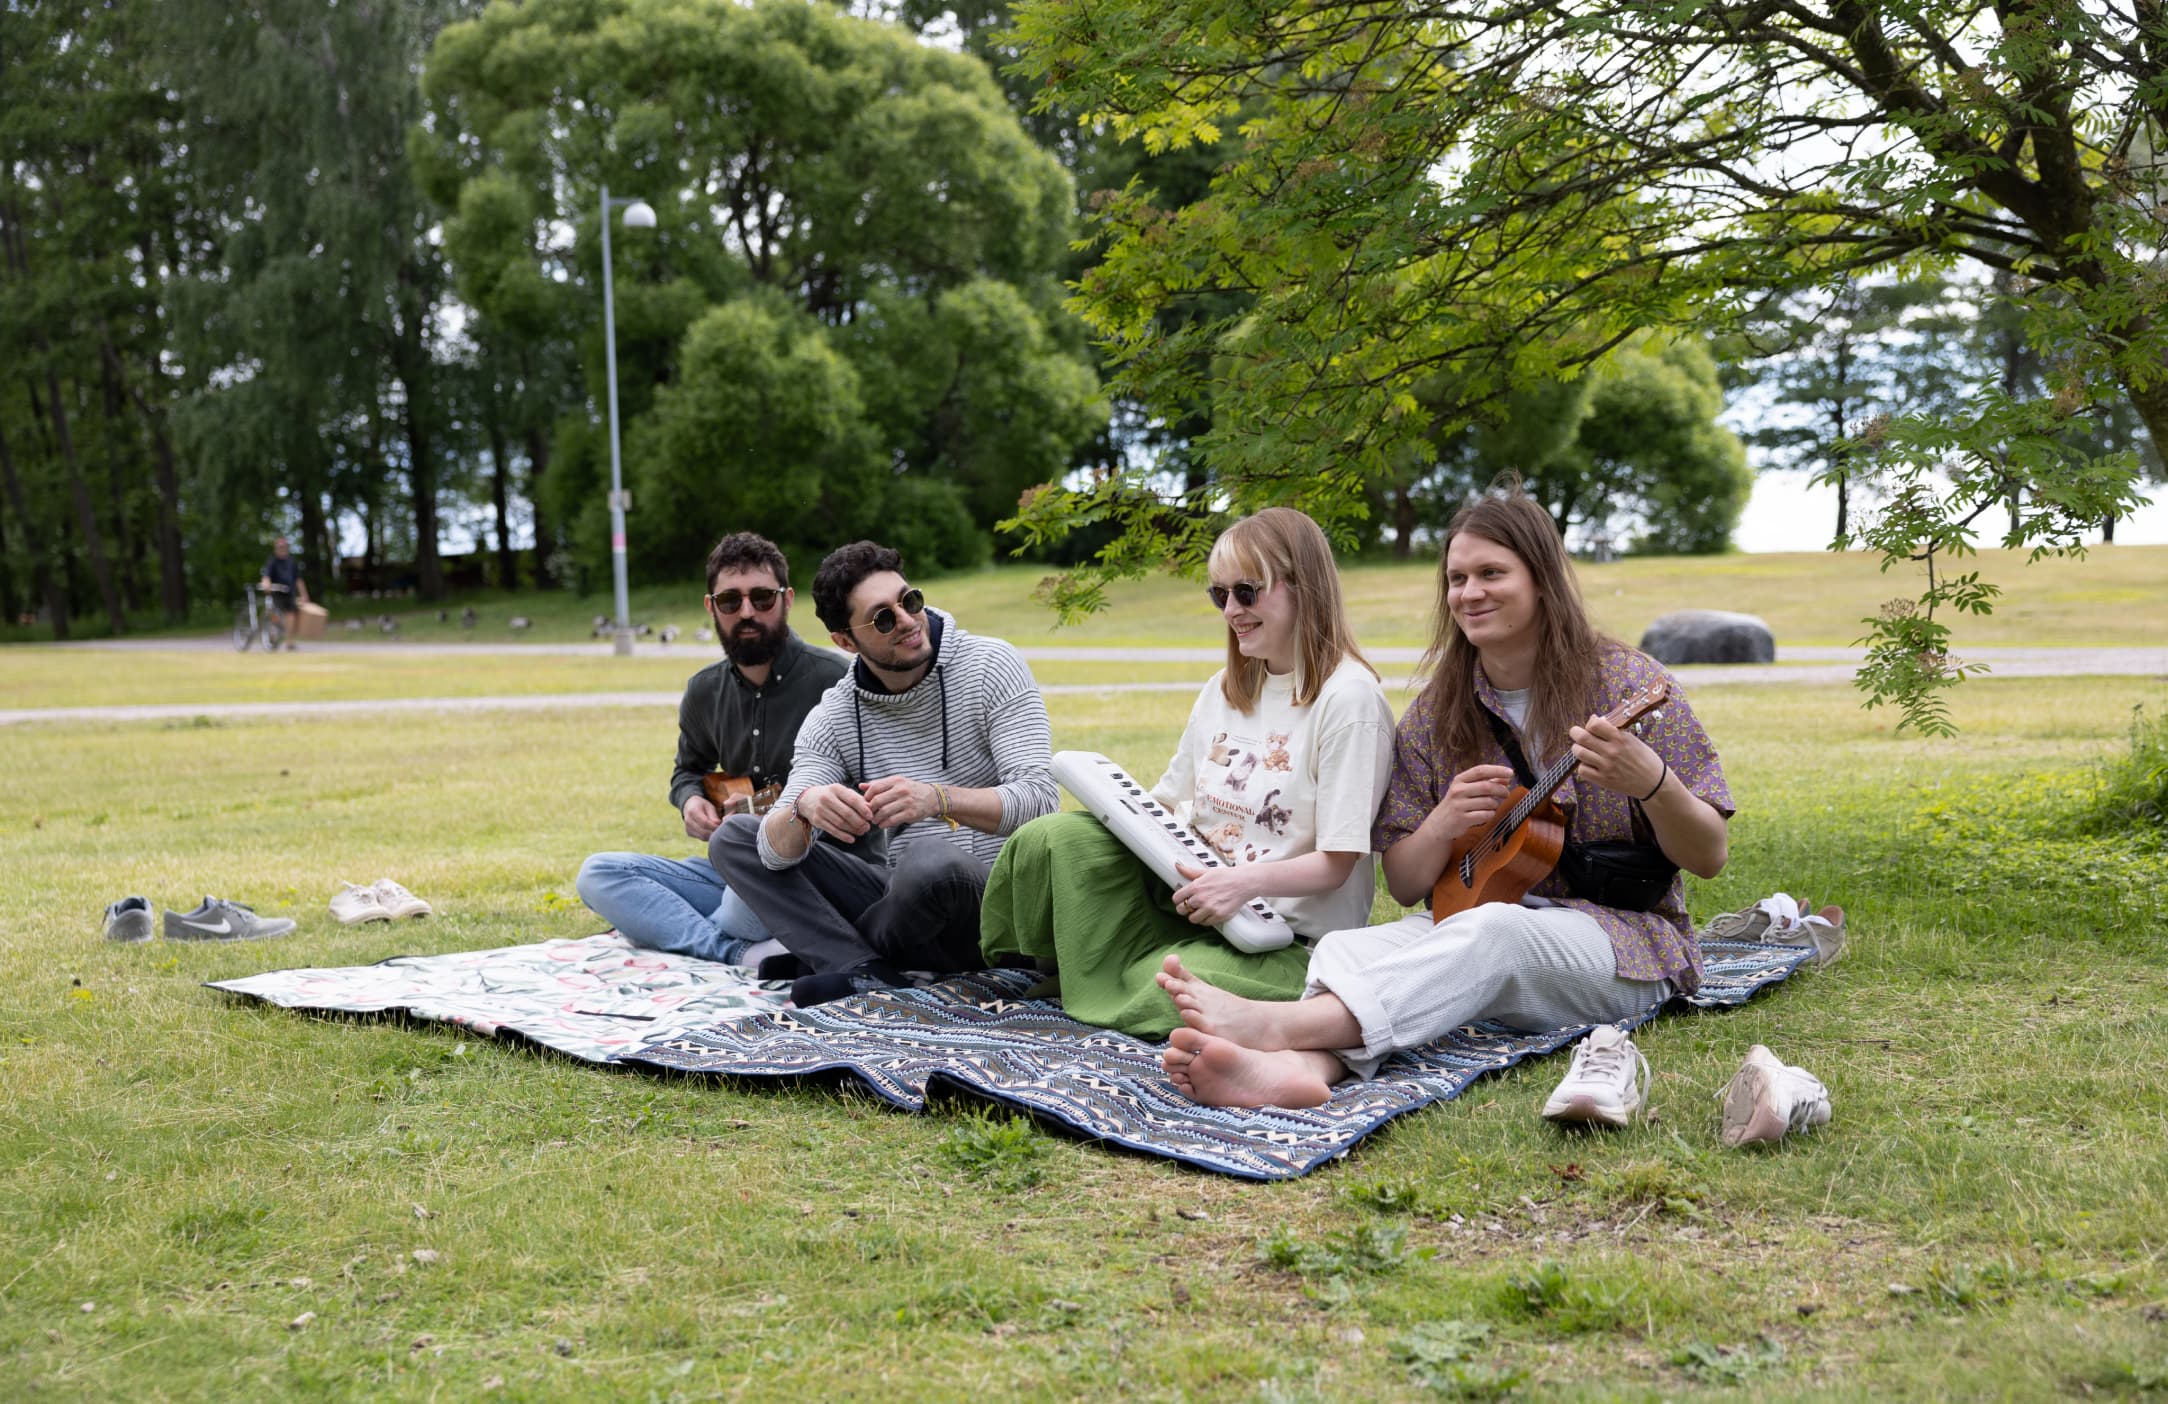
[1188, 1040]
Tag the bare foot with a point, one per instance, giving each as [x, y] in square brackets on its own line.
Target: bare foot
[1222, 1074]
[1253, 1023]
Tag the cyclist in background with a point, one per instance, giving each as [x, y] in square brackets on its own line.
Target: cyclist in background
[282, 586]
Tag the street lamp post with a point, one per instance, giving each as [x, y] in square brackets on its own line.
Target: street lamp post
[638, 215]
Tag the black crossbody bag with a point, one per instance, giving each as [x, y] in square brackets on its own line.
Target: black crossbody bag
[1632, 877]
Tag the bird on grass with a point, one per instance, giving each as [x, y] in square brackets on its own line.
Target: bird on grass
[669, 634]
[468, 618]
[387, 624]
[353, 626]
[704, 634]
[520, 623]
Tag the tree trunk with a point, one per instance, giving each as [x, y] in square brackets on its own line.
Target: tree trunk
[93, 540]
[2107, 531]
[1403, 522]
[315, 541]
[172, 569]
[538, 462]
[9, 612]
[41, 569]
[500, 498]
[1844, 505]
[126, 552]
[428, 569]
[410, 363]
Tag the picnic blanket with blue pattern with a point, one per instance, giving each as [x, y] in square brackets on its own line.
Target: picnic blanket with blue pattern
[979, 1035]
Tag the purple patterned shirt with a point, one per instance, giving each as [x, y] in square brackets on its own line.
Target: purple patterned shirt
[1652, 945]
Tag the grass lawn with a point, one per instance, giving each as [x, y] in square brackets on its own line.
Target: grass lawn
[2116, 595]
[183, 1177]
[41, 675]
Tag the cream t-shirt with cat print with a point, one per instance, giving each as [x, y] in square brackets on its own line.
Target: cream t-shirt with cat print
[1281, 781]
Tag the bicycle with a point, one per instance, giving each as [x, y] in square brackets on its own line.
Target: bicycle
[258, 622]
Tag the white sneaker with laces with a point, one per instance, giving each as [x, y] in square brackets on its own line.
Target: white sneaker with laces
[357, 904]
[397, 901]
[1605, 1082]
[1768, 1100]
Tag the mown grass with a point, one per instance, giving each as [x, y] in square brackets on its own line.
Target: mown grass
[49, 676]
[2115, 595]
[1981, 1220]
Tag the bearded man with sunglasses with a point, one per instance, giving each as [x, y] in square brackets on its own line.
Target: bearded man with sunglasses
[740, 715]
[937, 737]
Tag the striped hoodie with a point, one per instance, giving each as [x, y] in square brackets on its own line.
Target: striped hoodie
[974, 721]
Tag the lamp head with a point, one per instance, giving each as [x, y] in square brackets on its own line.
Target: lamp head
[639, 215]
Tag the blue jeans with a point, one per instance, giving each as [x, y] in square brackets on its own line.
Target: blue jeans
[669, 904]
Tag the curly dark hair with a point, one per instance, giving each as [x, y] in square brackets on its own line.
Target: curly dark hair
[747, 550]
[839, 575]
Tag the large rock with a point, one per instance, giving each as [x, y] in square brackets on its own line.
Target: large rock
[1709, 636]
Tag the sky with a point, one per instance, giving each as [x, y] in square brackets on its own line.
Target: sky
[1787, 513]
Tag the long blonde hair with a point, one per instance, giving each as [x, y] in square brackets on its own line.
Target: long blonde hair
[1569, 659]
[1283, 546]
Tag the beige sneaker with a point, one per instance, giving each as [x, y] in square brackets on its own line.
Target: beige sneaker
[357, 904]
[1604, 1084]
[1768, 1100]
[397, 901]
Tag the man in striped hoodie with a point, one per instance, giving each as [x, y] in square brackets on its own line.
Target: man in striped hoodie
[939, 737]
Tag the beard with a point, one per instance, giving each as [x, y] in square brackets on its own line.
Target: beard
[750, 643]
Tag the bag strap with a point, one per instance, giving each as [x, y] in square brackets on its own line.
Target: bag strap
[1504, 733]
[1637, 822]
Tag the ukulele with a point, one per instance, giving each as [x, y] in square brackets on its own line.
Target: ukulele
[1500, 863]
[734, 794]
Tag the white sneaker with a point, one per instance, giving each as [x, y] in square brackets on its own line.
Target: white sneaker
[1604, 1084]
[1768, 1100]
[397, 901]
[357, 904]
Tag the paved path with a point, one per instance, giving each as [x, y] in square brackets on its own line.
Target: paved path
[2005, 663]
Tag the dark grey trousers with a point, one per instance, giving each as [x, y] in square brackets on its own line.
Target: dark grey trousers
[835, 911]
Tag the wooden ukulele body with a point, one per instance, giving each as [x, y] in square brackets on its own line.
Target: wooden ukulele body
[734, 794]
[1500, 861]
[1506, 872]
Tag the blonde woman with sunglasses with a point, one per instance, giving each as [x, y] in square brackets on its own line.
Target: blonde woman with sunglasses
[1280, 770]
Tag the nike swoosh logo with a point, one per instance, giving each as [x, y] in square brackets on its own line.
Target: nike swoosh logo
[223, 927]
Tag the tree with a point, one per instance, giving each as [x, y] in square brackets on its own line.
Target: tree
[1832, 361]
[1505, 194]
[1630, 449]
[875, 194]
[316, 334]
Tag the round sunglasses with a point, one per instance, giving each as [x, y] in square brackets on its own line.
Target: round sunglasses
[730, 601]
[1244, 591]
[885, 619]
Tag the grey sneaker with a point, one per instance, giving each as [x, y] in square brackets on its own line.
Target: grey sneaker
[129, 921]
[220, 920]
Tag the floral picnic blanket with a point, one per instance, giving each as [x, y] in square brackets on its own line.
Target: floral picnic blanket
[592, 999]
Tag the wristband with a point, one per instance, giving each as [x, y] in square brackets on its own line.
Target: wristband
[1659, 782]
[946, 817]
